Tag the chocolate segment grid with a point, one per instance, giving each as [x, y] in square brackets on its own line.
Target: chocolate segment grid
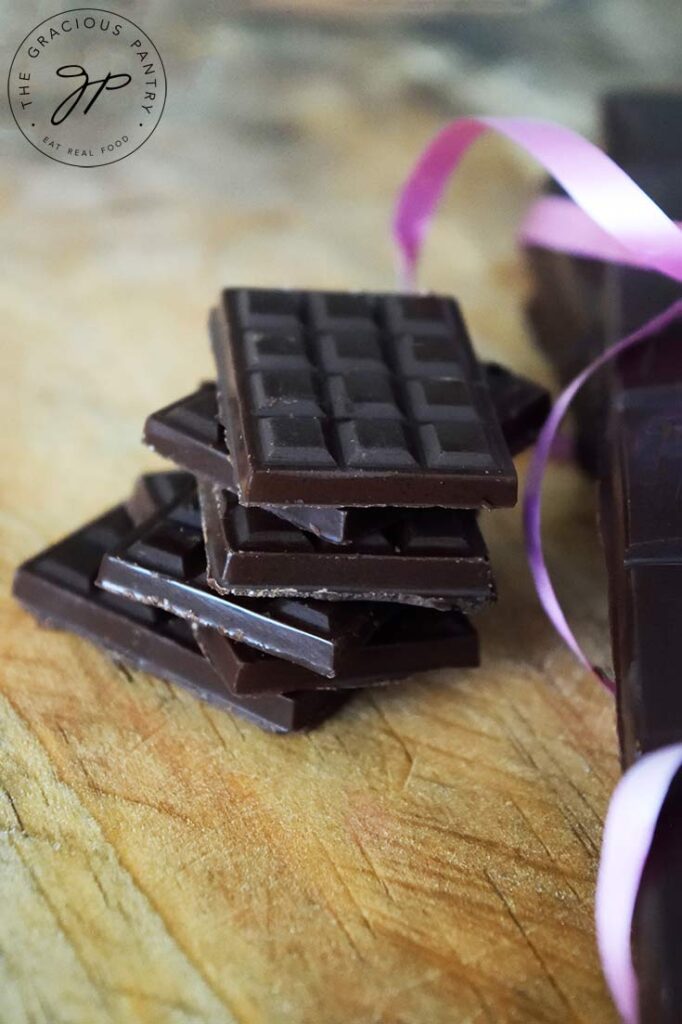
[188, 432]
[163, 564]
[58, 587]
[356, 399]
[153, 491]
[429, 557]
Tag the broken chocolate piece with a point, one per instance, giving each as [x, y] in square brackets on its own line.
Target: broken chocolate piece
[432, 557]
[522, 406]
[412, 640]
[163, 565]
[58, 587]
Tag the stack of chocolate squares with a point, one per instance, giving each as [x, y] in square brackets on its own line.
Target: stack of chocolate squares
[326, 537]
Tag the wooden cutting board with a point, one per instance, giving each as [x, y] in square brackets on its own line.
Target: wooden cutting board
[428, 856]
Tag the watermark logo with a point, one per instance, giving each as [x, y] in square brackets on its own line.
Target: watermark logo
[87, 87]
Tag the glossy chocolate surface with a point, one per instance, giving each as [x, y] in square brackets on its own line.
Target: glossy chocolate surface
[163, 565]
[356, 399]
[411, 640]
[58, 587]
[431, 557]
[189, 433]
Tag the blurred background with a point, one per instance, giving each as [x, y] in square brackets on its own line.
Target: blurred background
[287, 131]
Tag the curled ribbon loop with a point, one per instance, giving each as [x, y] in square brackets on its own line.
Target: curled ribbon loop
[554, 222]
[532, 506]
[599, 186]
[610, 218]
[628, 831]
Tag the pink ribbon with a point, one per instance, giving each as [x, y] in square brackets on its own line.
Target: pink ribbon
[554, 222]
[610, 218]
[605, 193]
[628, 831]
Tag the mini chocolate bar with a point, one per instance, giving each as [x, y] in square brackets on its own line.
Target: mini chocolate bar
[356, 400]
[411, 640]
[189, 433]
[58, 588]
[163, 564]
[521, 405]
[153, 491]
[431, 557]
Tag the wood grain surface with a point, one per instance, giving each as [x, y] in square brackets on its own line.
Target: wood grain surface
[427, 857]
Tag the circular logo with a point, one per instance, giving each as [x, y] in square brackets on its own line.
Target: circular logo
[87, 87]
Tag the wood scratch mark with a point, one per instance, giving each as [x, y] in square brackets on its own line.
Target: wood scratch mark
[391, 731]
[408, 777]
[206, 715]
[372, 868]
[15, 809]
[144, 740]
[348, 889]
[526, 938]
[561, 804]
[93, 978]
[536, 835]
[125, 671]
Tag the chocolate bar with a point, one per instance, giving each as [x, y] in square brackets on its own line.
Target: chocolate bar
[153, 491]
[432, 557]
[411, 640]
[189, 433]
[643, 125]
[521, 406]
[163, 564]
[657, 920]
[641, 520]
[57, 586]
[636, 413]
[356, 400]
[641, 523]
[579, 305]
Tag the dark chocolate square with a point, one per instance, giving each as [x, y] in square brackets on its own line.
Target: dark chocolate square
[379, 368]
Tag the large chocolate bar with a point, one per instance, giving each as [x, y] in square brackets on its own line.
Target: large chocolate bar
[58, 587]
[641, 526]
[163, 564]
[642, 126]
[356, 400]
[578, 305]
[641, 523]
[657, 920]
[411, 640]
[432, 557]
